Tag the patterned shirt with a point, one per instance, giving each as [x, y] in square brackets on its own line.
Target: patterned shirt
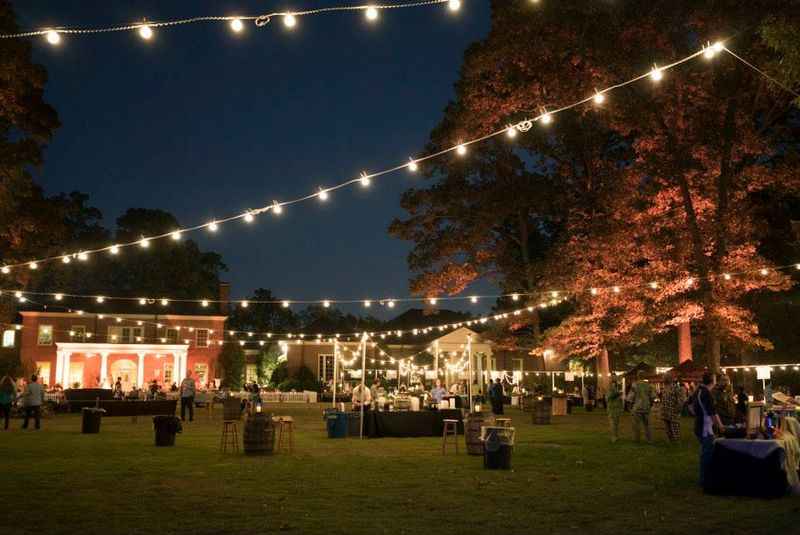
[672, 402]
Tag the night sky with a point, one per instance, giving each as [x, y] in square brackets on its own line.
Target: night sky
[204, 123]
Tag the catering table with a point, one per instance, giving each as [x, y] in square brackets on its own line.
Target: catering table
[423, 423]
[138, 408]
[748, 468]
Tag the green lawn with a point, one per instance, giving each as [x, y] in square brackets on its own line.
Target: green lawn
[567, 478]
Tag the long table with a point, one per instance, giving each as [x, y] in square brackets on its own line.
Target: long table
[747, 468]
[132, 408]
[425, 423]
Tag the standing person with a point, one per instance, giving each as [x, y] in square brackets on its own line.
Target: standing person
[723, 400]
[614, 406]
[438, 392]
[32, 399]
[188, 388]
[641, 398]
[671, 407]
[741, 405]
[118, 388]
[705, 417]
[496, 397]
[362, 396]
[8, 391]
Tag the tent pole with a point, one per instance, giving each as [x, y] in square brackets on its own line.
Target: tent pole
[335, 359]
[363, 373]
[469, 363]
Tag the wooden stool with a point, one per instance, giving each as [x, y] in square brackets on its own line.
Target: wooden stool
[285, 433]
[450, 430]
[503, 422]
[230, 436]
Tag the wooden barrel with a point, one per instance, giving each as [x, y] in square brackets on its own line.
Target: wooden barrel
[472, 431]
[542, 409]
[259, 434]
[232, 409]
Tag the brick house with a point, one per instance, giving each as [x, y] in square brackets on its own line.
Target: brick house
[92, 350]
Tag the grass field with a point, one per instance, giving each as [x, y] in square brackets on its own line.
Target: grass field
[567, 478]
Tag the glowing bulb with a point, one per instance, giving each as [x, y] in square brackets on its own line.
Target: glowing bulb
[726, 276]
[372, 13]
[249, 217]
[546, 118]
[323, 194]
[114, 249]
[365, 180]
[285, 304]
[454, 5]
[326, 303]
[204, 303]
[654, 285]
[796, 266]
[236, 25]
[33, 265]
[164, 302]
[432, 300]
[245, 304]
[289, 20]
[473, 299]
[764, 272]
[599, 98]
[101, 299]
[390, 304]
[367, 304]
[213, 226]
[59, 297]
[145, 32]
[515, 297]
[656, 74]
[119, 320]
[23, 299]
[65, 259]
[718, 46]
[6, 270]
[17, 294]
[53, 37]
[709, 52]
[142, 301]
[616, 289]
[83, 257]
[276, 208]
[511, 132]
[461, 150]
[412, 165]
[144, 243]
[176, 235]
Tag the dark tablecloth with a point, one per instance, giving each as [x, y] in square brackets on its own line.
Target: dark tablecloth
[747, 468]
[139, 408]
[409, 423]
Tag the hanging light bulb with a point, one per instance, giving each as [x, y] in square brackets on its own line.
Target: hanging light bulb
[461, 150]
[53, 37]
[100, 299]
[142, 301]
[432, 301]
[412, 165]
[6, 270]
[326, 303]
[546, 118]
[454, 5]
[511, 132]
[515, 297]
[33, 265]
[249, 217]
[164, 302]
[65, 259]
[654, 285]
[276, 208]
[285, 304]
[390, 304]
[145, 32]
[365, 179]
[598, 98]
[616, 289]
[656, 74]
[175, 235]
[726, 276]
[372, 14]
[83, 256]
[213, 227]
[245, 304]
[289, 20]
[473, 299]
[764, 272]
[236, 25]
[323, 194]
[144, 243]
[367, 304]
[114, 249]
[59, 297]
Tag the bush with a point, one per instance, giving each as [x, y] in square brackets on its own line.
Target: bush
[304, 379]
[291, 384]
[279, 374]
[232, 360]
[308, 380]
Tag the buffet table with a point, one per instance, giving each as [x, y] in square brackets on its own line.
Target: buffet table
[423, 423]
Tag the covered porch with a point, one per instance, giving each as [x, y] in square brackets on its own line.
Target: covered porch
[99, 365]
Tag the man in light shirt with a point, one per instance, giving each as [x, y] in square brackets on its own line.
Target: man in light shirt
[438, 392]
[188, 388]
[361, 395]
[32, 399]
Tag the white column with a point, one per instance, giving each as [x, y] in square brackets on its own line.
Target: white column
[176, 367]
[140, 370]
[65, 369]
[59, 368]
[184, 362]
[104, 369]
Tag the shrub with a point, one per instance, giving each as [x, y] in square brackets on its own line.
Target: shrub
[279, 374]
[232, 360]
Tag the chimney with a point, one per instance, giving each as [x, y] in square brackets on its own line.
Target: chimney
[224, 296]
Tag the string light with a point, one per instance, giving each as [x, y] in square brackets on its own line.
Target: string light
[100, 299]
[546, 118]
[249, 217]
[204, 303]
[367, 304]
[412, 165]
[454, 5]
[164, 302]
[236, 25]
[245, 304]
[33, 265]
[285, 304]
[144, 243]
[323, 194]
[473, 299]
[289, 20]
[142, 301]
[511, 132]
[726, 276]
[66, 260]
[114, 249]
[59, 297]
[277, 209]
[176, 236]
[432, 301]
[83, 256]
[599, 98]
[461, 150]
[53, 37]
[326, 303]
[656, 74]
[371, 13]
[213, 226]
[145, 32]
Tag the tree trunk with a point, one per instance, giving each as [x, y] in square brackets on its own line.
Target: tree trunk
[603, 378]
[684, 342]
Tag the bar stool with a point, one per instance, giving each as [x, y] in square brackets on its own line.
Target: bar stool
[230, 436]
[450, 430]
[503, 422]
[285, 433]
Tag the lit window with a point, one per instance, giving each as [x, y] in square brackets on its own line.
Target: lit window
[79, 333]
[8, 338]
[45, 337]
[172, 336]
[201, 372]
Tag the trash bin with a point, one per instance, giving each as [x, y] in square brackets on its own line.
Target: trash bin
[498, 445]
[337, 424]
[90, 421]
[354, 423]
[166, 427]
